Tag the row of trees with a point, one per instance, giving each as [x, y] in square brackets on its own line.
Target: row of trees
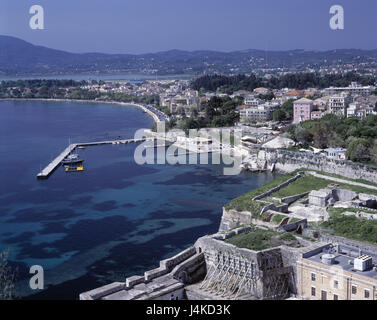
[229, 84]
[358, 136]
[37, 83]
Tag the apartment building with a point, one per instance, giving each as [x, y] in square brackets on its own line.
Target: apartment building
[259, 113]
[339, 104]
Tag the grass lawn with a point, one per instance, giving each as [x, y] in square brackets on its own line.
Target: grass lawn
[258, 239]
[278, 218]
[352, 227]
[304, 184]
[345, 178]
[243, 203]
[308, 182]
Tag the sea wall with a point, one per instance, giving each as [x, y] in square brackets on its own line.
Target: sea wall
[288, 161]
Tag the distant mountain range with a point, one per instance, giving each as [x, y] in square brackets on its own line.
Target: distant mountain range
[18, 57]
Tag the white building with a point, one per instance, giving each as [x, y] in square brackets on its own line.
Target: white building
[336, 153]
[353, 89]
[252, 101]
[338, 104]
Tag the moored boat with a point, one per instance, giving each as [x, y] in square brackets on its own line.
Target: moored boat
[72, 159]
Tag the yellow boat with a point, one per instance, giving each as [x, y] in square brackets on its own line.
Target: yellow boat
[73, 169]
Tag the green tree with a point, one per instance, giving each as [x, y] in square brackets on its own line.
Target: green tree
[373, 151]
[287, 107]
[303, 136]
[279, 115]
[358, 149]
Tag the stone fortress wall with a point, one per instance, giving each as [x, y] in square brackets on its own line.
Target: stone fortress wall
[219, 270]
[288, 161]
[184, 267]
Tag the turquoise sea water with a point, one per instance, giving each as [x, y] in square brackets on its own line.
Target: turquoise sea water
[111, 221]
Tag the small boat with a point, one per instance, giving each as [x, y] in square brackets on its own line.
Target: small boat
[73, 168]
[72, 159]
[81, 147]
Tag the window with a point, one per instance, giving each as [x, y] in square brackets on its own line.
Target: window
[336, 284]
[366, 294]
[313, 276]
[336, 297]
[354, 289]
[313, 291]
[323, 295]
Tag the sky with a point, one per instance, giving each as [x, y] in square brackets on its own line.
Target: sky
[143, 26]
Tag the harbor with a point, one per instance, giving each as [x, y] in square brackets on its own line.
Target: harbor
[54, 164]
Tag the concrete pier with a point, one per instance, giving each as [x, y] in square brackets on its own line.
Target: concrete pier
[57, 161]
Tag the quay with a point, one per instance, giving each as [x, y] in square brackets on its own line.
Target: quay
[45, 173]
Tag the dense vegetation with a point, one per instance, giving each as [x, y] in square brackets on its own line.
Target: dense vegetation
[358, 136]
[218, 112]
[229, 84]
[285, 112]
[352, 227]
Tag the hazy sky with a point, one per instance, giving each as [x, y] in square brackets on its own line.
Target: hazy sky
[140, 26]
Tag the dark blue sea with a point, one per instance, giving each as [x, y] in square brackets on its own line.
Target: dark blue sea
[115, 219]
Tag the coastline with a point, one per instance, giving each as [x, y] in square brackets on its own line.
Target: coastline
[147, 111]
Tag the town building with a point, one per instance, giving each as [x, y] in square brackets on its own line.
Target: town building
[185, 99]
[302, 110]
[252, 101]
[353, 89]
[259, 112]
[317, 114]
[294, 94]
[353, 110]
[338, 104]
